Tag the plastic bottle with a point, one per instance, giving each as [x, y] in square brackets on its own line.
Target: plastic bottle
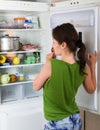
[28, 24]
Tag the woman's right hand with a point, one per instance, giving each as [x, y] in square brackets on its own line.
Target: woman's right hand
[49, 56]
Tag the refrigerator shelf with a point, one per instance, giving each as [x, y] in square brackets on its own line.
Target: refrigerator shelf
[33, 29]
[9, 100]
[26, 51]
[17, 83]
[32, 96]
[22, 65]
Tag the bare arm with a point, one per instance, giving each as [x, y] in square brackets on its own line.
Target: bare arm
[90, 78]
[44, 74]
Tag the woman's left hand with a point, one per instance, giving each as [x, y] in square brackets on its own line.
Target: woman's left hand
[92, 58]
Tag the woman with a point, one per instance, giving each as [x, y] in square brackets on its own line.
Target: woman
[61, 79]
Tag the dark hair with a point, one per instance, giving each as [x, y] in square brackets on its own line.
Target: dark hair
[67, 33]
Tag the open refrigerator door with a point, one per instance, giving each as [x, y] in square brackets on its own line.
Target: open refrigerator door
[85, 19]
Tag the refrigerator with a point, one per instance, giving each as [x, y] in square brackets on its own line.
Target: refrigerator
[21, 107]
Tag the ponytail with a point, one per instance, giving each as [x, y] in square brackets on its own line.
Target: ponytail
[81, 57]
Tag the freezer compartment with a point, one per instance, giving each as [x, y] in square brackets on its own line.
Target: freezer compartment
[25, 115]
[25, 120]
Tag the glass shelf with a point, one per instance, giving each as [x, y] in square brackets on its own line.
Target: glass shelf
[23, 29]
[21, 65]
[26, 51]
[17, 83]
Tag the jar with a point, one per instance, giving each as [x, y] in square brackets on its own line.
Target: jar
[21, 77]
[19, 22]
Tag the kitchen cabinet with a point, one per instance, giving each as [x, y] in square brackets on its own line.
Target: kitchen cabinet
[83, 119]
[92, 121]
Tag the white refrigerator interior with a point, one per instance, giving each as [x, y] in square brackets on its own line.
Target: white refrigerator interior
[21, 107]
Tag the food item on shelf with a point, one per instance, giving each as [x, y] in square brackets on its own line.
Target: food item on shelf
[30, 60]
[10, 56]
[16, 60]
[19, 22]
[2, 59]
[13, 78]
[30, 47]
[4, 78]
[37, 56]
[21, 78]
[28, 23]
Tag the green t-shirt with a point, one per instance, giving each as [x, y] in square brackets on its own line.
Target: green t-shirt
[60, 90]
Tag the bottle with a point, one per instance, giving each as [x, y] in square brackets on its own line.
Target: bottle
[35, 21]
[28, 24]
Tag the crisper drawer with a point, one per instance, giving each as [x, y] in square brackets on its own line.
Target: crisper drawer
[29, 92]
[11, 93]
